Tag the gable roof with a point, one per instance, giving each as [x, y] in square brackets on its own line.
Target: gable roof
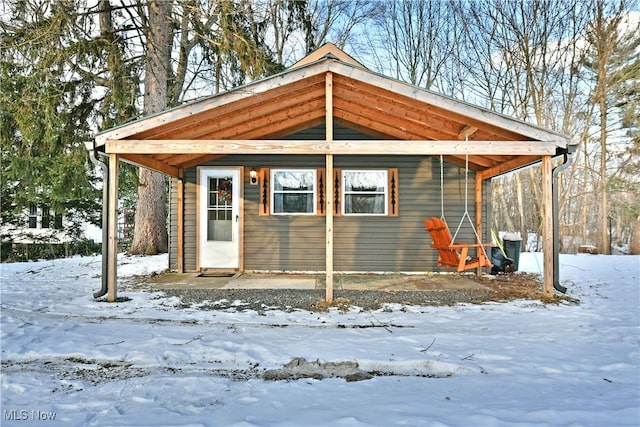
[328, 50]
[403, 119]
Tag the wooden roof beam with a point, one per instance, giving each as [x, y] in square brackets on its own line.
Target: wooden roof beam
[285, 124]
[390, 109]
[450, 105]
[432, 110]
[249, 114]
[510, 165]
[466, 132]
[420, 125]
[359, 147]
[150, 163]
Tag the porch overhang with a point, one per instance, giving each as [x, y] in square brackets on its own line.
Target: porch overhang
[172, 155]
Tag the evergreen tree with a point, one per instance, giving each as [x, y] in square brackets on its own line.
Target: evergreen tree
[46, 108]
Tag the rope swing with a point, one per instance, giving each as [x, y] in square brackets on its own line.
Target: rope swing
[442, 189]
[448, 250]
[466, 206]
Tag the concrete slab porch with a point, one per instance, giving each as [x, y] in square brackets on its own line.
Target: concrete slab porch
[375, 282]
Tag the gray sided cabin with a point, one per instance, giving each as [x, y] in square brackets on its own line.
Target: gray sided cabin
[326, 167]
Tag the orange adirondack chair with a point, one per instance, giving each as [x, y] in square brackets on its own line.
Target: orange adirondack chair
[455, 255]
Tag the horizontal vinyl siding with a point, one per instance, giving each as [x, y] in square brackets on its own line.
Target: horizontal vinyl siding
[275, 243]
[370, 243]
[173, 228]
[281, 242]
[189, 230]
[190, 216]
[361, 243]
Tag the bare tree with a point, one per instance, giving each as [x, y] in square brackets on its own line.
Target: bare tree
[415, 41]
[610, 50]
[634, 247]
[523, 60]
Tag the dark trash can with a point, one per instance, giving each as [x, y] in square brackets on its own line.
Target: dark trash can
[512, 246]
[501, 264]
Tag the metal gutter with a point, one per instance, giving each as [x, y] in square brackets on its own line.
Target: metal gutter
[556, 222]
[91, 147]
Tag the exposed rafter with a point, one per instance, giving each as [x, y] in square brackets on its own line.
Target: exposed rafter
[403, 119]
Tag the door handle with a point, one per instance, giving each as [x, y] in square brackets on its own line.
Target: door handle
[237, 218]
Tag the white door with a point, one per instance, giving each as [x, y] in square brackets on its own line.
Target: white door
[219, 227]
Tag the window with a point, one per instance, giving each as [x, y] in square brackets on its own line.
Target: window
[42, 217]
[33, 216]
[293, 192]
[57, 221]
[304, 192]
[365, 192]
[46, 216]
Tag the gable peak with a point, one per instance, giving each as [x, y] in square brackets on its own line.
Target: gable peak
[327, 50]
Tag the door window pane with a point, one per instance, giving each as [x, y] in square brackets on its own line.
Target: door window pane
[220, 209]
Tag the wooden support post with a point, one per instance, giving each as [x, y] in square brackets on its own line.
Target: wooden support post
[330, 190]
[180, 222]
[112, 257]
[478, 200]
[329, 230]
[547, 223]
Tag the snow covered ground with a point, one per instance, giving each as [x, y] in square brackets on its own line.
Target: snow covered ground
[71, 361]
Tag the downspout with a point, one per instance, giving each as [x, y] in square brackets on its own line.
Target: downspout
[556, 222]
[105, 217]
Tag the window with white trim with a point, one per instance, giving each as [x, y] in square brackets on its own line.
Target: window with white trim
[33, 215]
[293, 191]
[41, 216]
[365, 192]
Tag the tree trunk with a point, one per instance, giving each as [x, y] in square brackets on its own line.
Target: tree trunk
[504, 215]
[605, 243]
[150, 225]
[634, 247]
[150, 229]
[521, 218]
